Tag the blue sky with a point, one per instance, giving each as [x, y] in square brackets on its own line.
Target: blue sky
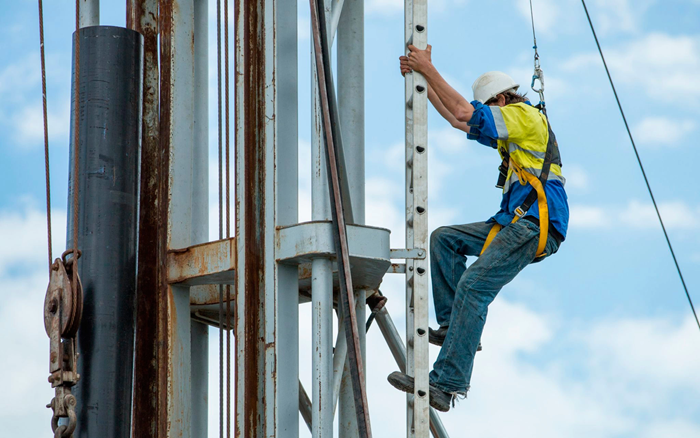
[596, 341]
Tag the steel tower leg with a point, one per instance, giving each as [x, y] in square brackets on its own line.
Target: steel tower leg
[351, 105]
[149, 388]
[321, 274]
[267, 293]
[177, 110]
[200, 210]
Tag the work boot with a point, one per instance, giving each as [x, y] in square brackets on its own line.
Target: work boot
[439, 399]
[437, 337]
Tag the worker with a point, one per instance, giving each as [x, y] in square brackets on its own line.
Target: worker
[501, 118]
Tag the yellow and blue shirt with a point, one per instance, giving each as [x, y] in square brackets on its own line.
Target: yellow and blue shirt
[521, 130]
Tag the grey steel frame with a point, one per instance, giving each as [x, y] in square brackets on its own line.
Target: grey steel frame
[266, 274]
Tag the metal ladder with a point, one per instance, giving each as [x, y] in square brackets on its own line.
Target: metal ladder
[417, 359]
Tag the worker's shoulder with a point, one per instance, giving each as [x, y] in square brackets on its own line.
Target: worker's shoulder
[524, 107]
[521, 111]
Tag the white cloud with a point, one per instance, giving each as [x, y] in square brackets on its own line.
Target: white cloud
[23, 237]
[23, 249]
[619, 15]
[663, 131]
[384, 7]
[382, 198]
[625, 345]
[393, 7]
[304, 181]
[576, 177]
[546, 13]
[26, 356]
[664, 66]
[448, 140]
[303, 28]
[28, 123]
[20, 77]
[587, 216]
[675, 214]
[20, 94]
[600, 388]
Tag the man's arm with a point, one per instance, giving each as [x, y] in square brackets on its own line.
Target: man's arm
[440, 107]
[455, 103]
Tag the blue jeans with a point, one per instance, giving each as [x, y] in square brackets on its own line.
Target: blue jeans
[462, 296]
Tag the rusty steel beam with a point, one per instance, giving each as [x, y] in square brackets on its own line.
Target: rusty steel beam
[267, 300]
[149, 382]
[206, 263]
[252, 207]
[322, 53]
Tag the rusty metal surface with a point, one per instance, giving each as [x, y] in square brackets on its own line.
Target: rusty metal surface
[322, 52]
[62, 314]
[206, 263]
[251, 211]
[205, 295]
[266, 195]
[149, 373]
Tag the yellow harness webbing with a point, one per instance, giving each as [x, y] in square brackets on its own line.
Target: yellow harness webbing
[526, 177]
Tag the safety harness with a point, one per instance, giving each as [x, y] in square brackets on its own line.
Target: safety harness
[536, 194]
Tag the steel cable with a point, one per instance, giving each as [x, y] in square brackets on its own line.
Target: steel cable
[76, 154]
[46, 131]
[532, 19]
[228, 221]
[641, 166]
[221, 220]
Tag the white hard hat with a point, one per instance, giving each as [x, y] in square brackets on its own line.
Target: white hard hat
[492, 84]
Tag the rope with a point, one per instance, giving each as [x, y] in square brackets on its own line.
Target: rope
[228, 222]
[76, 150]
[221, 222]
[641, 166]
[534, 37]
[538, 74]
[46, 130]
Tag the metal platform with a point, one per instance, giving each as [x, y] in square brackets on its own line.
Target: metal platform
[206, 266]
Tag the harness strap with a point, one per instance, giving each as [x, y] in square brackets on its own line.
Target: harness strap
[537, 192]
[494, 230]
[541, 204]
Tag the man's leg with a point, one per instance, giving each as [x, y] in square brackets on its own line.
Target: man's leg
[512, 249]
[448, 248]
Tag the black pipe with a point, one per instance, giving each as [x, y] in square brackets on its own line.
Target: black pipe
[111, 66]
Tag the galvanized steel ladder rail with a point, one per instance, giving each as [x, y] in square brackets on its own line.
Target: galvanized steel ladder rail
[417, 359]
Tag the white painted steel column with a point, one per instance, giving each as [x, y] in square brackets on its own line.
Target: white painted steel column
[89, 13]
[267, 298]
[200, 210]
[321, 274]
[322, 337]
[320, 199]
[418, 364]
[180, 227]
[351, 102]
